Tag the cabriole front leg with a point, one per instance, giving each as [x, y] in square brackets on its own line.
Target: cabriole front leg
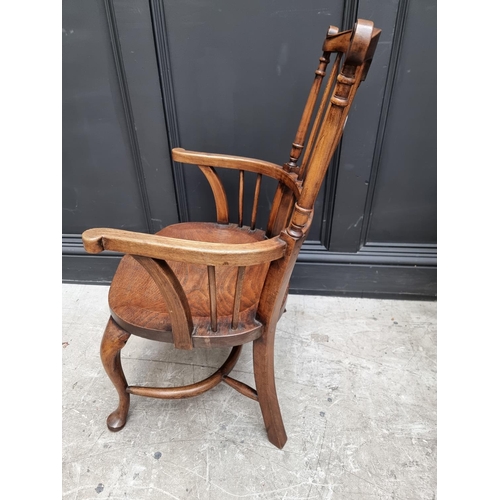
[113, 341]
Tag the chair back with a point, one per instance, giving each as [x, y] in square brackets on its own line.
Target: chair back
[319, 137]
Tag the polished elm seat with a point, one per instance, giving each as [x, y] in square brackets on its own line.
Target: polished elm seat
[137, 304]
[204, 285]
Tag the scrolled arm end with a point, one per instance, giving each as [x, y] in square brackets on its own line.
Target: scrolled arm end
[93, 240]
[177, 154]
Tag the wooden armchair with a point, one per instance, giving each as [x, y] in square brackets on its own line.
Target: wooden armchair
[219, 284]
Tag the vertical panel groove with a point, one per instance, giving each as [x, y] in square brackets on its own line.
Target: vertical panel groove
[167, 90]
[350, 14]
[399, 29]
[127, 107]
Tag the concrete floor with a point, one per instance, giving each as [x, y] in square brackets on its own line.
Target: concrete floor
[356, 380]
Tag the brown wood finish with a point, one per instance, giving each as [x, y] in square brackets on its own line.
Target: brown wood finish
[242, 388]
[258, 182]
[237, 297]
[222, 284]
[157, 247]
[314, 131]
[221, 205]
[241, 194]
[298, 143]
[238, 163]
[189, 391]
[174, 297]
[147, 314]
[212, 291]
[113, 341]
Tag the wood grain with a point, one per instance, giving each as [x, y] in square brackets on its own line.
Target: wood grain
[237, 297]
[255, 205]
[137, 302]
[219, 192]
[219, 284]
[238, 163]
[175, 299]
[298, 143]
[113, 341]
[319, 115]
[212, 293]
[182, 250]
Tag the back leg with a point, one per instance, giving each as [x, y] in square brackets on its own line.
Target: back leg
[113, 341]
[263, 367]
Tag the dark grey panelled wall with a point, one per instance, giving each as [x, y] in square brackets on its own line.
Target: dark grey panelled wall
[141, 77]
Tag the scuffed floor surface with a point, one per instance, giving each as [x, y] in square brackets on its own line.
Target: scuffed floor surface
[356, 380]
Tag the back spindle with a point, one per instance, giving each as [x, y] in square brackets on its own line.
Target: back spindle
[212, 292]
[255, 201]
[346, 84]
[240, 198]
[319, 115]
[298, 143]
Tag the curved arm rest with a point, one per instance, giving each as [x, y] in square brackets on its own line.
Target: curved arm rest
[219, 160]
[194, 252]
[238, 163]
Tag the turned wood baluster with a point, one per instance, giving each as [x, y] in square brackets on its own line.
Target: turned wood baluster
[284, 200]
[298, 143]
[333, 123]
[328, 139]
[319, 115]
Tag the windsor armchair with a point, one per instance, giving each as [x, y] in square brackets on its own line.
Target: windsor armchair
[224, 284]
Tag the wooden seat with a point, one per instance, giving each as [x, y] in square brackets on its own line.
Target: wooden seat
[225, 284]
[137, 304]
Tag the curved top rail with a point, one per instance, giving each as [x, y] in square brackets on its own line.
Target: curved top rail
[238, 163]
